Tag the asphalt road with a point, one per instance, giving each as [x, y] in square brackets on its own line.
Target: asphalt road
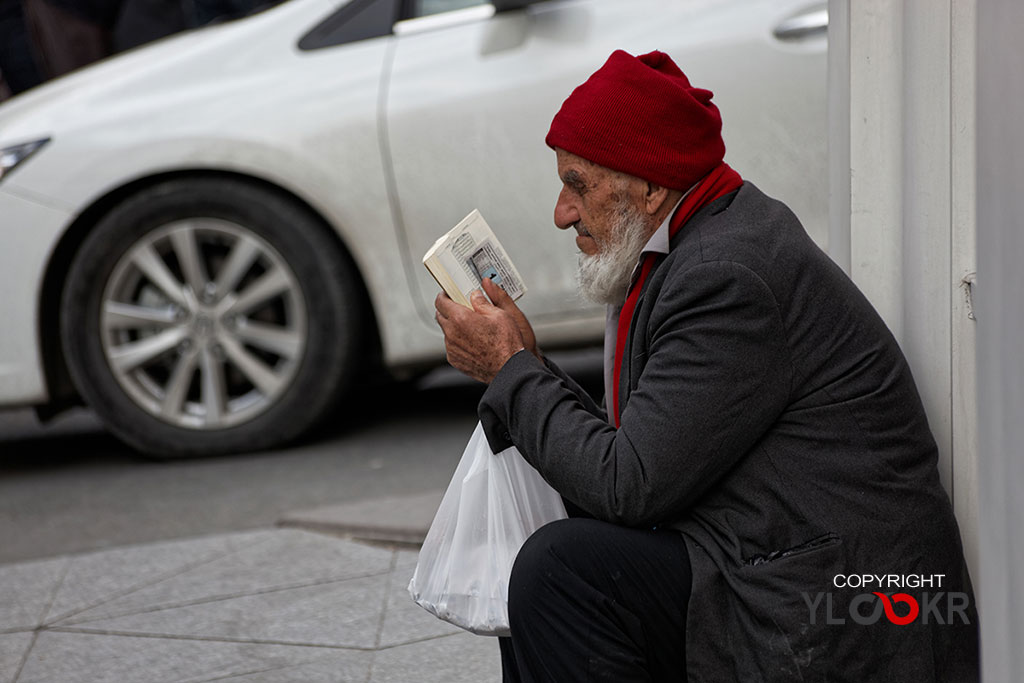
[71, 487]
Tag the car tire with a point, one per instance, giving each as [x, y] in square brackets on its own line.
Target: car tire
[252, 359]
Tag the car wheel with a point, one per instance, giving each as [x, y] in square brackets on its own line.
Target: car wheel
[210, 316]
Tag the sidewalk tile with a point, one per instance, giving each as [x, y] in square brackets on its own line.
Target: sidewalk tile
[404, 620]
[12, 650]
[407, 560]
[460, 658]
[340, 614]
[98, 577]
[343, 666]
[289, 558]
[60, 657]
[26, 588]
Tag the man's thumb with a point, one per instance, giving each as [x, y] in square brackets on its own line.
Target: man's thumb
[479, 301]
[499, 296]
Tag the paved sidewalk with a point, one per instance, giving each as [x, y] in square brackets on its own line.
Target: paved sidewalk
[273, 606]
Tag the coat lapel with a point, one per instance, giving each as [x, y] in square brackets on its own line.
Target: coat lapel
[634, 357]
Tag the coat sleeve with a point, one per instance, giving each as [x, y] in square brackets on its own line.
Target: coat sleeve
[497, 435]
[717, 376]
[588, 402]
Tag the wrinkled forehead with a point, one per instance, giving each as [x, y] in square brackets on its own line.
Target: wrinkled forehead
[581, 176]
[573, 164]
[564, 158]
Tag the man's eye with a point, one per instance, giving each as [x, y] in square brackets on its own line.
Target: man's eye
[574, 183]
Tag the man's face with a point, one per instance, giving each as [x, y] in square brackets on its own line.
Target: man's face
[590, 199]
[604, 208]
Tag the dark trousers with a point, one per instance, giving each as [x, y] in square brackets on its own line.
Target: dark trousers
[591, 601]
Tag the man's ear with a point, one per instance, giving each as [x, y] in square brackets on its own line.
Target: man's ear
[655, 197]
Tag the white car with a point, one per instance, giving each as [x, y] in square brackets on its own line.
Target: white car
[208, 238]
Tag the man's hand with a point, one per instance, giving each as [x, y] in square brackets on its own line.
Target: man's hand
[480, 341]
[502, 300]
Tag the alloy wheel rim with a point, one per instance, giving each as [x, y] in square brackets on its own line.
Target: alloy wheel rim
[203, 324]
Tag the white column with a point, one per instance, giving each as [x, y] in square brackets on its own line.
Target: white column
[901, 158]
[962, 276]
[999, 302]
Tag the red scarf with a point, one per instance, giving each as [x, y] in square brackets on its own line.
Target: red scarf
[719, 182]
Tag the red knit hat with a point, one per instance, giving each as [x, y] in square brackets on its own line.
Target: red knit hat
[641, 116]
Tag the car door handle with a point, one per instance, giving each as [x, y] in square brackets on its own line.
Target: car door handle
[805, 25]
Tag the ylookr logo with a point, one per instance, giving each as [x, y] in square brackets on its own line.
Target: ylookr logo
[901, 609]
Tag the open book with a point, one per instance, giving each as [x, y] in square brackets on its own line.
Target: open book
[465, 255]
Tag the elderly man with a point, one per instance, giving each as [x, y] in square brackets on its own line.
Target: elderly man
[762, 446]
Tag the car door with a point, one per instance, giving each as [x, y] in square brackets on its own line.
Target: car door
[471, 93]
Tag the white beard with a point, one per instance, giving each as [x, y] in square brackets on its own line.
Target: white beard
[604, 277]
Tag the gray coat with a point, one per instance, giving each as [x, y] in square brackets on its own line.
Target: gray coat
[768, 414]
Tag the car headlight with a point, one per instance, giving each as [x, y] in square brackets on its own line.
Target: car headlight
[10, 157]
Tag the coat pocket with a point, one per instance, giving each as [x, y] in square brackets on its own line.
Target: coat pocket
[817, 543]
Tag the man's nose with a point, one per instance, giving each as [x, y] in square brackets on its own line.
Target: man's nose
[565, 212]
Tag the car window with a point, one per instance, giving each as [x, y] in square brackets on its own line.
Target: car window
[356, 20]
[362, 19]
[422, 8]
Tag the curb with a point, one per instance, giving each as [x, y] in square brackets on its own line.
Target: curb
[392, 519]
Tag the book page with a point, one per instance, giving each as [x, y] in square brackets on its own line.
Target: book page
[454, 259]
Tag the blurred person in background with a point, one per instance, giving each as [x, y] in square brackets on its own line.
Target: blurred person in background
[18, 65]
[68, 34]
[44, 39]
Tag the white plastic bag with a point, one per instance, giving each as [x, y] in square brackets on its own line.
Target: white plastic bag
[493, 503]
